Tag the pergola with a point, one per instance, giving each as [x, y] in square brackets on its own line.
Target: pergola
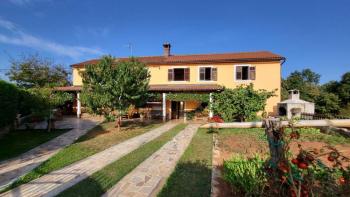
[163, 89]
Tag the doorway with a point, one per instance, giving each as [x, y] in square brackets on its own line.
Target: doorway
[176, 109]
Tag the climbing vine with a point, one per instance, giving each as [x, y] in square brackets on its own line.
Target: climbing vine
[188, 97]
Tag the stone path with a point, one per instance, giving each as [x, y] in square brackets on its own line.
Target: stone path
[13, 168]
[149, 177]
[59, 180]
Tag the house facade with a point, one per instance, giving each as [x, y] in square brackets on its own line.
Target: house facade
[203, 73]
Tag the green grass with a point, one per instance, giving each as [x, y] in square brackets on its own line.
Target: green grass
[306, 134]
[101, 181]
[17, 142]
[312, 134]
[192, 175]
[256, 133]
[97, 139]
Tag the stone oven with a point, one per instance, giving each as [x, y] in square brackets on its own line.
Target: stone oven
[294, 106]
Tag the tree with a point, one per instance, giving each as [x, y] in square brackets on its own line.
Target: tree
[43, 101]
[240, 103]
[110, 87]
[327, 103]
[35, 71]
[305, 81]
[344, 89]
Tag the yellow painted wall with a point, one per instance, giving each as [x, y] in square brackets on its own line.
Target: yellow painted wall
[268, 77]
[191, 105]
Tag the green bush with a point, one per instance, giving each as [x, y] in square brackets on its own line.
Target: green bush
[9, 99]
[246, 175]
[190, 115]
[241, 103]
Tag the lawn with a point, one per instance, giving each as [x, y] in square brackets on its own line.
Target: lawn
[192, 175]
[17, 142]
[97, 139]
[101, 181]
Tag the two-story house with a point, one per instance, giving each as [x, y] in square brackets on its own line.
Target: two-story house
[202, 73]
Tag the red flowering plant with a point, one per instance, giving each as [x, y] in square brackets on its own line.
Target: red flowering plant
[305, 174]
[215, 119]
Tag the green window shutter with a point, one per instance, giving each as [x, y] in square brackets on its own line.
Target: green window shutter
[170, 74]
[202, 74]
[214, 74]
[252, 74]
[187, 74]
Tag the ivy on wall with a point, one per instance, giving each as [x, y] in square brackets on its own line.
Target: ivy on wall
[188, 97]
[181, 97]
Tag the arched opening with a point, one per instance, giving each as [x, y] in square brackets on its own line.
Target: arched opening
[282, 111]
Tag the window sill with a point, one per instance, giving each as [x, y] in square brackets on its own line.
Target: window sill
[244, 81]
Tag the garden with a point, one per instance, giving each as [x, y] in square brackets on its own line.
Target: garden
[292, 162]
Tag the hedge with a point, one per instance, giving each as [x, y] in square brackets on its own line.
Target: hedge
[9, 100]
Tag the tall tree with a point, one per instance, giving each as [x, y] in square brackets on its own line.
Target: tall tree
[110, 87]
[34, 71]
[305, 81]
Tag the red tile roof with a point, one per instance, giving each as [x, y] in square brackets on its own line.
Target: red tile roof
[259, 56]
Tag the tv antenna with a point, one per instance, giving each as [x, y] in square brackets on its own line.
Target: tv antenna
[130, 46]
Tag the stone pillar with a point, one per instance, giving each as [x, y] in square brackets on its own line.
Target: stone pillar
[78, 105]
[210, 105]
[164, 106]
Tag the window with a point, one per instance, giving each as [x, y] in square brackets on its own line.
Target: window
[179, 74]
[245, 73]
[207, 74]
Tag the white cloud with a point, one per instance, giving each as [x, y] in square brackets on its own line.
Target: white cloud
[21, 38]
[24, 2]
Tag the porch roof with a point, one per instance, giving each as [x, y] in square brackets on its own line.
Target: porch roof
[162, 88]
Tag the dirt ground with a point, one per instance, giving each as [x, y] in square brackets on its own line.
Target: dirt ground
[239, 144]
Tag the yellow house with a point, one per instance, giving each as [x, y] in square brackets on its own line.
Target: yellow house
[202, 73]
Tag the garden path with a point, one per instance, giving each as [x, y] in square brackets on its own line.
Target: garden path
[12, 169]
[59, 180]
[149, 177]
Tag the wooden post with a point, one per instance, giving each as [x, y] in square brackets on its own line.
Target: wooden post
[274, 133]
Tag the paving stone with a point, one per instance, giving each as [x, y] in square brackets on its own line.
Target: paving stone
[13, 168]
[160, 165]
[49, 185]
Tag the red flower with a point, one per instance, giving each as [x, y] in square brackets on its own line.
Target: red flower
[302, 165]
[217, 119]
[295, 161]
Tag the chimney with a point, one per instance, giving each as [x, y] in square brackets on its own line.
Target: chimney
[166, 49]
[294, 94]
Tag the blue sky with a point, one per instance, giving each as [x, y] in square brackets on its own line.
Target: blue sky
[310, 34]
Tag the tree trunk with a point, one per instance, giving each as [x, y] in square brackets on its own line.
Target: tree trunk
[275, 137]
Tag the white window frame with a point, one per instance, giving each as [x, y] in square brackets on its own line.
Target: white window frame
[199, 73]
[172, 67]
[243, 80]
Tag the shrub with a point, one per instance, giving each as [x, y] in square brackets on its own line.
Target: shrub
[9, 100]
[190, 115]
[241, 103]
[247, 175]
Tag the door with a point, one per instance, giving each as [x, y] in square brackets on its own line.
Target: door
[175, 109]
